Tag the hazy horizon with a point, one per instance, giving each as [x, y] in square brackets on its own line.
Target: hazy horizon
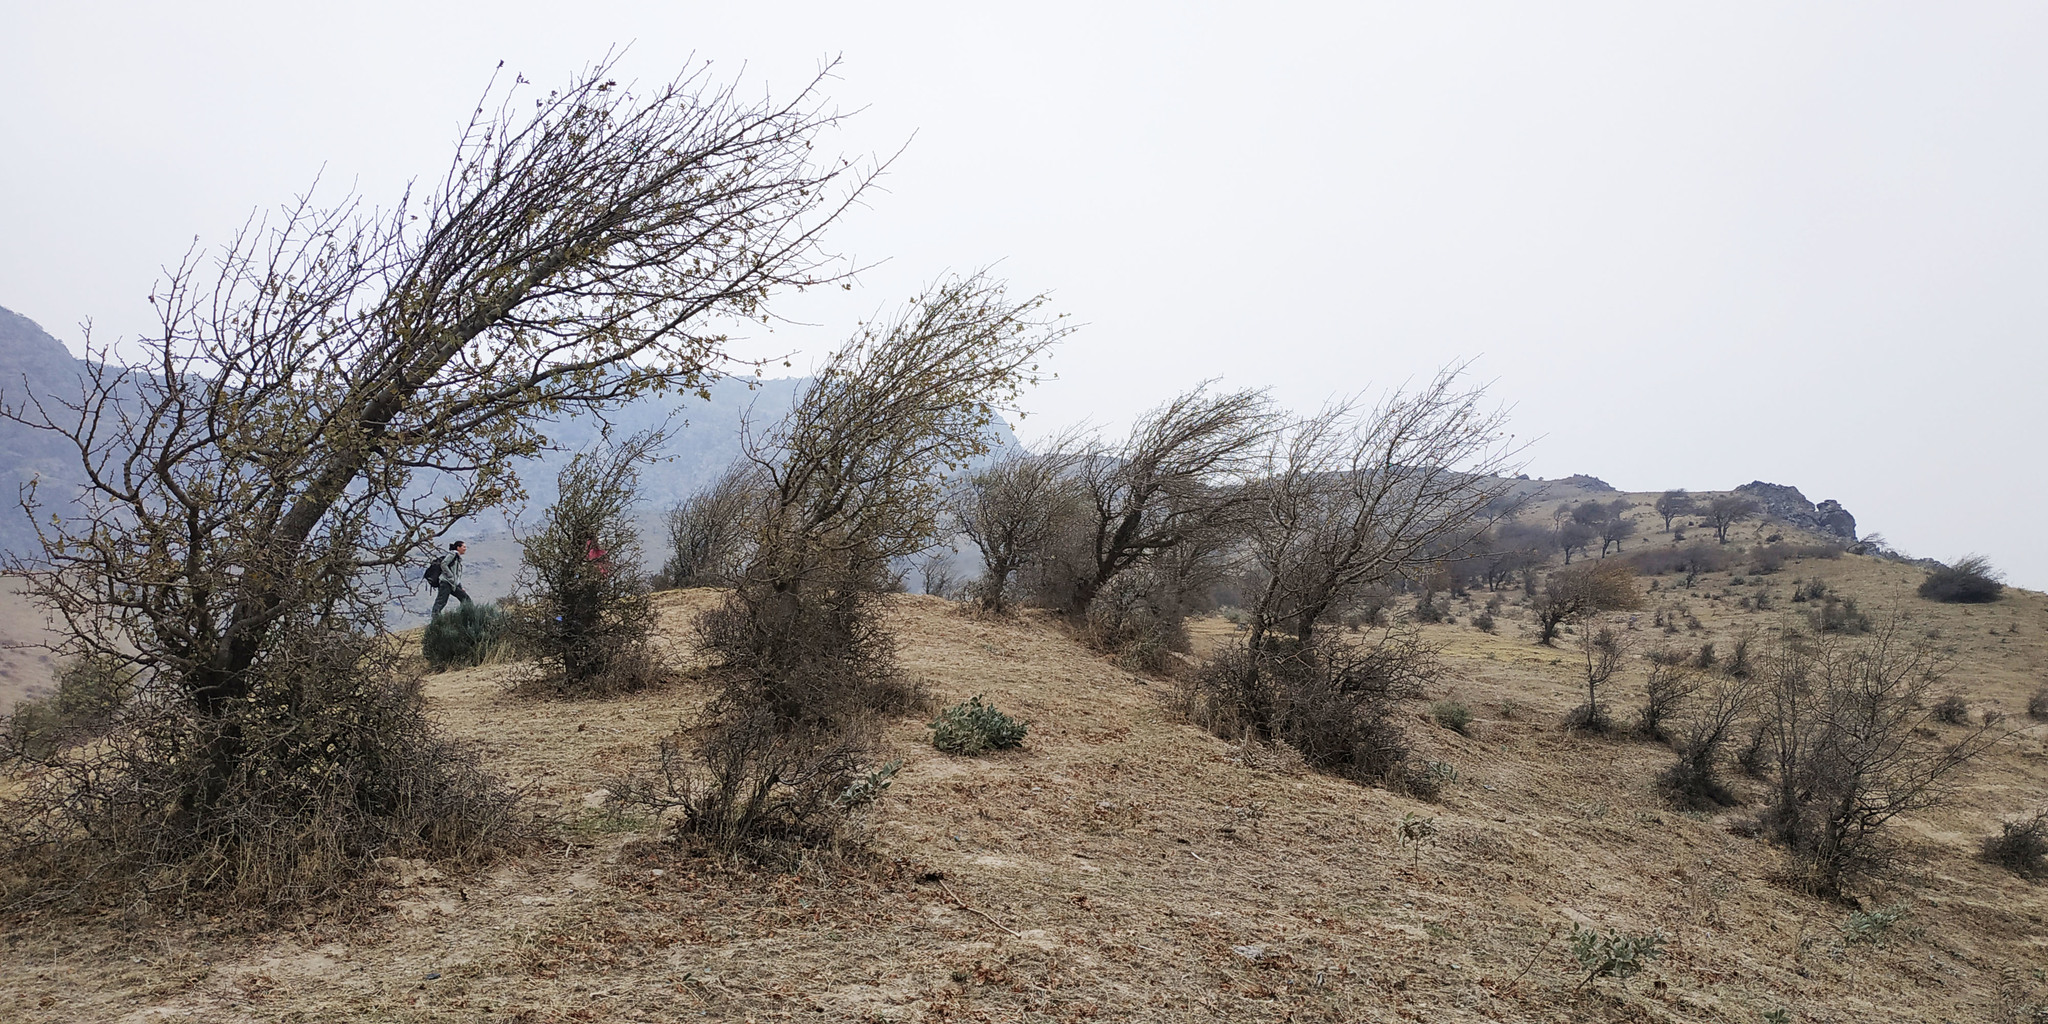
[1692, 247]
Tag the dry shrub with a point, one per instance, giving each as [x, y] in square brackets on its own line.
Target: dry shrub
[1334, 701]
[2037, 705]
[590, 621]
[1971, 580]
[1844, 718]
[1670, 687]
[287, 796]
[1139, 622]
[1951, 710]
[2021, 846]
[1693, 781]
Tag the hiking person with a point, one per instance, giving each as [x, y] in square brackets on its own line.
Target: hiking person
[446, 575]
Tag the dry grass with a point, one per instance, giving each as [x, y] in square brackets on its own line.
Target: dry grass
[1123, 865]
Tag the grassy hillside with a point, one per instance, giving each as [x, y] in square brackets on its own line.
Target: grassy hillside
[1124, 865]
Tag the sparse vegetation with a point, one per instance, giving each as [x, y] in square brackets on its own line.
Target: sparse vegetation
[1452, 715]
[2021, 846]
[1971, 580]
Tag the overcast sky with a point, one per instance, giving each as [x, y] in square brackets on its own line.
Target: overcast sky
[1691, 245]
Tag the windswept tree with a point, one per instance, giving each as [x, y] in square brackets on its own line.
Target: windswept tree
[1011, 510]
[1674, 503]
[1349, 499]
[709, 530]
[1355, 496]
[1615, 527]
[852, 478]
[1725, 511]
[1179, 475]
[342, 385]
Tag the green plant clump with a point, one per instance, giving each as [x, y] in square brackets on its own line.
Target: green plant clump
[974, 728]
[1615, 954]
[464, 636]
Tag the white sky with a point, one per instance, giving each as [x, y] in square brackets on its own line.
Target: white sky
[1692, 245]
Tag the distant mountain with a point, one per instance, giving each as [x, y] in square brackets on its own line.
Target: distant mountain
[33, 365]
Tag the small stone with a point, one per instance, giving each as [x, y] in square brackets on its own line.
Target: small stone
[1250, 952]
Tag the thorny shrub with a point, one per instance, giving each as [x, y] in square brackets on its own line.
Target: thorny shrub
[1971, 580]
[1334, 700]
[285, 796]
[2021, 846]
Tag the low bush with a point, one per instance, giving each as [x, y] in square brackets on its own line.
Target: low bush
[1615, 955]
[1138, 622]
[283, 797]
[973, 728]
[2020, 846]
[1838, 614]
[1452, 715]
[1971, 580]
[2037, 705]
[1336, 702]
[465, 636]
[1951, 710]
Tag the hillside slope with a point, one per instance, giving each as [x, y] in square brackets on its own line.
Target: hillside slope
[1124, 865]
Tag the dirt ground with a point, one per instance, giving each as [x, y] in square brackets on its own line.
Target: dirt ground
[1124, 865]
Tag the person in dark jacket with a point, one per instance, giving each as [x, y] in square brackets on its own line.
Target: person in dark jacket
[450, 583]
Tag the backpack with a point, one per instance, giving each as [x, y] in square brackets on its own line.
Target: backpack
[433, 573]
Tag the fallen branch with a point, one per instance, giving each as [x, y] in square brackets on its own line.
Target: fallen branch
[962, 904]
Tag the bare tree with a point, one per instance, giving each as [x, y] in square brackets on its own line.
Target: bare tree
[1725, 511]
[349, 384]
[1011, 510]
[1674, 503]
[1603, 653]
[1352, 497]
[1843, 720]
[1180, 472]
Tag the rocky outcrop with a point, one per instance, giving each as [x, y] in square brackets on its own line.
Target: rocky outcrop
[1782, 502]
[1587, 483]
